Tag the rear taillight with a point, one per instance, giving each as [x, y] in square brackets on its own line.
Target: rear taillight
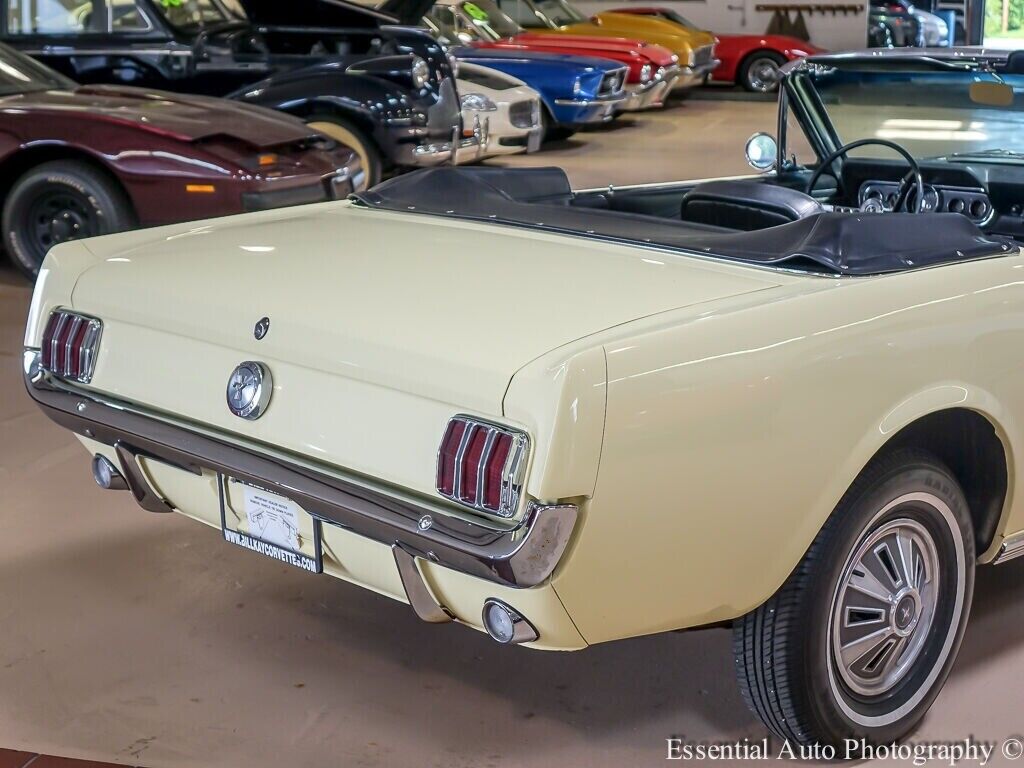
[480, 465]
[70, 344]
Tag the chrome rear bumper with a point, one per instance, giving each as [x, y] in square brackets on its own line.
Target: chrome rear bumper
[521, 556]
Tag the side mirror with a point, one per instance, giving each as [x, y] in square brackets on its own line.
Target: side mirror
[762, 151]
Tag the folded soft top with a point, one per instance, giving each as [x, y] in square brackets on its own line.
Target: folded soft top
[838, 243]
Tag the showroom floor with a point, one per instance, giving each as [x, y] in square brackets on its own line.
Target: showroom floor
[144, 639]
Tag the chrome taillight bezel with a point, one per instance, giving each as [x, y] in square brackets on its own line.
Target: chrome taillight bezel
[86, 350]
[512, 474]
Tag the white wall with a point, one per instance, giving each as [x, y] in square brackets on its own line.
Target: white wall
[835, 32]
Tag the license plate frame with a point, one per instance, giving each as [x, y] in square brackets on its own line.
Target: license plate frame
[303, 561]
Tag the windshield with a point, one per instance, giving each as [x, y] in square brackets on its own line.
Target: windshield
[194, 13]
[931, 114]
[469, 21]
[560, 12]
[491, 21]
[20, 74]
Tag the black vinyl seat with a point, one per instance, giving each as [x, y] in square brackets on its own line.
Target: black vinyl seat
[746, 205]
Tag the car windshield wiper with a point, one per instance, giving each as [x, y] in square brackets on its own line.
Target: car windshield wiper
[982, 154]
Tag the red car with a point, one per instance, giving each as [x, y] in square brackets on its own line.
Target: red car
[78, 161]
[482, 24]
[752, 61]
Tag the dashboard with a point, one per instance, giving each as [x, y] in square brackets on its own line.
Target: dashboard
[878, 196]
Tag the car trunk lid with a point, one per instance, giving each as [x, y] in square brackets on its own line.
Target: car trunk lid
[381, 325]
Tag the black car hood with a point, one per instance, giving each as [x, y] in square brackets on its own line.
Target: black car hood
[314, 13]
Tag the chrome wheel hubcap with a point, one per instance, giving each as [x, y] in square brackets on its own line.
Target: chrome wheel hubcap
[764, 75]
[884, 606]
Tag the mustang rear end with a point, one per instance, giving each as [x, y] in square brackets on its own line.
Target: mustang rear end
[382, 423]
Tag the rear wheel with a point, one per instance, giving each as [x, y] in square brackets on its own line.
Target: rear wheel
[759, 72]
[60, 201]
[860, 639]
[348, 134]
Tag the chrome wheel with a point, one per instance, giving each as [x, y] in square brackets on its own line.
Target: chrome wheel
[763, 74]
[884, 606]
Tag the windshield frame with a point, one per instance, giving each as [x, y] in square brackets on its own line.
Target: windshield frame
[800, 94]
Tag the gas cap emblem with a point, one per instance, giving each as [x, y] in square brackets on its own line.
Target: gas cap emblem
[249, 390]
[262, 328]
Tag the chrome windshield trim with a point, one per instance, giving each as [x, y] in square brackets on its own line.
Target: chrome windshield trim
[521, 556]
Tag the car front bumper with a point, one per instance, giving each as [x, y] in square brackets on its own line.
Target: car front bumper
[691, 77]
[587, 111]
[415, 544]
[335, 186]
[650, 94]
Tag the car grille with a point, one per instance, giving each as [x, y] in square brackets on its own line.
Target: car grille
[524, 114]
[703, 56]
[612, 82]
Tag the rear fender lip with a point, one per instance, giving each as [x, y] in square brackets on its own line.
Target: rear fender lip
[522, 556]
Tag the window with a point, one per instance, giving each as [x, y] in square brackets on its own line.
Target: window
[521, 13]
[73, 17]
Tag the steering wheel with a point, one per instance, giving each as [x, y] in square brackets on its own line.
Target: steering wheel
[915, 170]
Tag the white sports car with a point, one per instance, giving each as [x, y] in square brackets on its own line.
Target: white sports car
[503, 111]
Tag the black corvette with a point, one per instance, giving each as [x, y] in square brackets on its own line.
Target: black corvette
[387, 91]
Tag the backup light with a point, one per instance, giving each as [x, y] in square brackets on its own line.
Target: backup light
[70, 344]
[506, 625]
[480, 465]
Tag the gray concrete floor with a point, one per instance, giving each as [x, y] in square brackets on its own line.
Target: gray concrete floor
[137, 638]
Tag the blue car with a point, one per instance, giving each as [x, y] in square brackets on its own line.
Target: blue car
[576, 90]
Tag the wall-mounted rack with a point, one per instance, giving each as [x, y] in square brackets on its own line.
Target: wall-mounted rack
[811, 8]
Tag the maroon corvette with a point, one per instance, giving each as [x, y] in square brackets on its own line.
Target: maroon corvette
[77, 161]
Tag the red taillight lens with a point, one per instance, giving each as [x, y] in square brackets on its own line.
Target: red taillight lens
[70, 343]
[471, 465]
[480, 465]
[494, 472]
[447, 457]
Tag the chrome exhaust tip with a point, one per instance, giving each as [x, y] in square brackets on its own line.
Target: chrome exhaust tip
[106, 475]
[506, 625]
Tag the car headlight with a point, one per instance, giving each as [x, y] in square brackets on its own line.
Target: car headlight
[420, 73]
[645, 73]
[577, 87]
[478, 103]
[691, 59]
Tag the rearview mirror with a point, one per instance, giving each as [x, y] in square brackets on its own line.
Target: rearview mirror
[992, 94]
[762, 151]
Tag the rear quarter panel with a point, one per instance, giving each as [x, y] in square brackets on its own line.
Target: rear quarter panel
[733, 430]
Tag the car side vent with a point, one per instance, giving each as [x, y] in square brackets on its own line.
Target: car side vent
[481, 465]
[70, 344]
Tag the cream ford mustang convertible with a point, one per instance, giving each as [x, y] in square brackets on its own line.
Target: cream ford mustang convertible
[789, 403]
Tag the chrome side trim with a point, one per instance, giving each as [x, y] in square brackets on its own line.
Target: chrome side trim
[416, 591]
[1013, 547]
[520, 556]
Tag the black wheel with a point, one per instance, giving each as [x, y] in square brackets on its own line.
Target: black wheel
[860, 639]
[552, 131]
[759, 71]
[351, 136]
[60, 201]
